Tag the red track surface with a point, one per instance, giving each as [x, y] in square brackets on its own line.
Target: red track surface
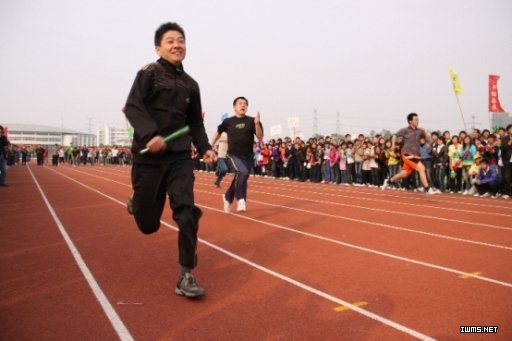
[279, 271]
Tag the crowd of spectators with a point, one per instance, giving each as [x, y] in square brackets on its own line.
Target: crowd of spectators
[69, 155]
[453, 162]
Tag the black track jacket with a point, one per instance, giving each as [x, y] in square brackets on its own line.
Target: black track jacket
[163, 99]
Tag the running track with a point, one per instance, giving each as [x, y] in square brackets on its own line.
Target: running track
[305, 262]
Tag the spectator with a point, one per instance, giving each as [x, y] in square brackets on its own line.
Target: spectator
[506, 159]
[350, 162]
[441, 162]
[358, 152]
[455, 156]
[222, 165]
[487, 180]
[342, 163]
[4, 148]
[392, 157]
[426, 158]
[468, 154]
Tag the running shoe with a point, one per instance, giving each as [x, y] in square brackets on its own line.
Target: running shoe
[431, 191]
[227, 204]
[187, 286]
[385, 184]
[241, 206]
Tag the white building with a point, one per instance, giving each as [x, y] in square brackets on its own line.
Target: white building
[113, 136]
[32, 134]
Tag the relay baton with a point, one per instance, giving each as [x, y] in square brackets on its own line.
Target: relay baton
[178, 133]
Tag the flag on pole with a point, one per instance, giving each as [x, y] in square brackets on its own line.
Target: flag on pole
[494, 101]
[455, 81]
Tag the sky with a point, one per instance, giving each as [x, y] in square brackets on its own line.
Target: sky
[355, 66]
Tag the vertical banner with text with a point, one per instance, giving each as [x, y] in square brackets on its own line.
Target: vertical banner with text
[494, 101]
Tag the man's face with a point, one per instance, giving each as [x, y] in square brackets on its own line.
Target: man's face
[172, 47]
[414, 122]
[240, 107]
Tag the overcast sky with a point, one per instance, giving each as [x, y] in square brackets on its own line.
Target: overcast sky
[71, 63]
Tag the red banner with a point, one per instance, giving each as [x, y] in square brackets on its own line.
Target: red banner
[494, 101]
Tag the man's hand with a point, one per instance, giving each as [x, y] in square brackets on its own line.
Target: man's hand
[209, 157]
[156, 144]
[257, 124]
[257, 118]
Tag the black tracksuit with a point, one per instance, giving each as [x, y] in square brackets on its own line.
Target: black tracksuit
[163, 99]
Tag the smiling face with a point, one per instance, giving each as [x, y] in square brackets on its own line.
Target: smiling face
[172, 47]
[240, 107]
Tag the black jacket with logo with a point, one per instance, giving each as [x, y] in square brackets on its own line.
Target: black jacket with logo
[163, 99]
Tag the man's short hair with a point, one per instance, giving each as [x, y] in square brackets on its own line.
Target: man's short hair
[411, 116]
[169, 26]
[240, 97]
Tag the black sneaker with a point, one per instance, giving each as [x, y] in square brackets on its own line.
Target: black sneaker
[187, 286]
[129, 205]
[216, 184]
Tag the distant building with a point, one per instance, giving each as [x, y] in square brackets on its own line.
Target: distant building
[500, 120]
[32, 134]
[113, 136]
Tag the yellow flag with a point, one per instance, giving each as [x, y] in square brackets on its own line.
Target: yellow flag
[455, 81]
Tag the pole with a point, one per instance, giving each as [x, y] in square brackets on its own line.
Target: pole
[460, 110]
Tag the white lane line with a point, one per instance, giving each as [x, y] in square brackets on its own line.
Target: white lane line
[301, 285]
[407, 196]
[312, 290]
[471, 223]
[393, 227]
[371, 196]
[114, 319]
[361, 248]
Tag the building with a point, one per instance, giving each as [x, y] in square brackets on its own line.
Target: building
[500, 120]
[46, 136]
[113, 136]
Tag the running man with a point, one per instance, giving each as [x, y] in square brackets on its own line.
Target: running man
[409, 137]
[241, 130]
[163, 99]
